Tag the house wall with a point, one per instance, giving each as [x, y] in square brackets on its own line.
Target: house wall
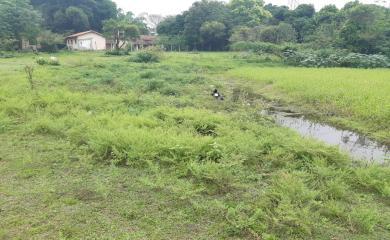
[97, 42]
[71, 43]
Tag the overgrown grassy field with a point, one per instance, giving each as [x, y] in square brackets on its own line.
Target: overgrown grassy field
[104, 148]
[357, 99]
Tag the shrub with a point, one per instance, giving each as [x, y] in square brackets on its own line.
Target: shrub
[149, 55]
[53, 61]
[6, 55]
[50, 42]
[329, 58]
[41, 61]
[262, 47]
[117, 52]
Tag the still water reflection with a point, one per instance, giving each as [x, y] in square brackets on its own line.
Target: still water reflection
[359, 147]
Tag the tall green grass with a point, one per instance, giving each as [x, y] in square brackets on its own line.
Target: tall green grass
[354, 98]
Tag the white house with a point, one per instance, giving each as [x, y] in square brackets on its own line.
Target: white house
[89, 40]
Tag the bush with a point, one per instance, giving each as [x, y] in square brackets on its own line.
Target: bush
[329, 58]
[149, 55]
[262, 47]
[117, 52]
[53, 61]
[9, 44]
[50, 42]
[6, 55]
[41, 61]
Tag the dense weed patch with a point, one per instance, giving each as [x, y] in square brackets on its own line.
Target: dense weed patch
[130, 153]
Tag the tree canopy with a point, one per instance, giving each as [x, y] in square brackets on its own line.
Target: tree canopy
[357, 27]
[75, 15]
[18, 20]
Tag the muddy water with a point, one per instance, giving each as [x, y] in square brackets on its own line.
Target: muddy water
[359, 147]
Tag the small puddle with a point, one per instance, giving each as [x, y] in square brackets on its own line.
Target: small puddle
[358, 146]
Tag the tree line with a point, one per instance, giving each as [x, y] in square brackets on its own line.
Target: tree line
[214, 25]
[206, 25]
[48, 21]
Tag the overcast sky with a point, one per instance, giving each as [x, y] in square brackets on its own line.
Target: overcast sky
[172, 7]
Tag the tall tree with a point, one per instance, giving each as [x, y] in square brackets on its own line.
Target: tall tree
[367, 29]
[248, 12]
[18, 20]
[214, 35]
[120, 32]
[88, 14]
[198, 14]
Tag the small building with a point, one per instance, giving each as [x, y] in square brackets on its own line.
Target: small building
[86, 41]
[145, 41]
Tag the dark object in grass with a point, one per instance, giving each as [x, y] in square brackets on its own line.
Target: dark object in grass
[217, 95]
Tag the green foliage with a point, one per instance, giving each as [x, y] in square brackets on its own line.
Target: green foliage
[262, 47]
[248, 12]
[51, 61]
[120, 31]
[350, 98]
[335, 59]
[6, 55]
[114, 52]
[199, 14]
[75, 16]
[374, 179]
[148, 55]
[41, 61]
[213, 35]
[364, 218]
[50, 42]
[18, 21]
[360, 28]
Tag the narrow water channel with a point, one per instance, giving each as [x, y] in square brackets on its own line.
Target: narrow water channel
[358, 146]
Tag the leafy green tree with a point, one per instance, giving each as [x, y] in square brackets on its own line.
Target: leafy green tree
[213, 35]
[248, 12]
[367, 29]
[76, 19]
[58, 14]
[200, 13]
[130, 18]
[328, 14]
[120, 32]
[241, 34]
[302, 19]
[279, 13]
[18, 20]
[50, 41]
[173, 25]
[304, 11]
[172, 43]
[284, 32]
